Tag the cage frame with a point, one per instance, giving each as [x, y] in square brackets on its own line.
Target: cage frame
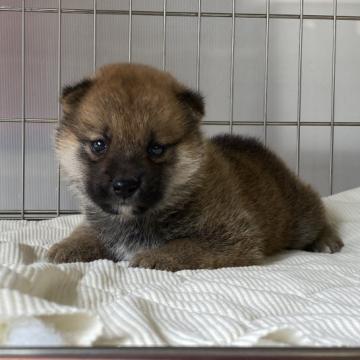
[29, 214]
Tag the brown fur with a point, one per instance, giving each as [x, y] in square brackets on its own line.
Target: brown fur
[205, 203]
[81, 245]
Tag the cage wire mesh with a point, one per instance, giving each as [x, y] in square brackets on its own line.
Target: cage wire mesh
[285, 71]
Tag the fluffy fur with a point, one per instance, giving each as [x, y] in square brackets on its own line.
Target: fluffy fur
[203, 203]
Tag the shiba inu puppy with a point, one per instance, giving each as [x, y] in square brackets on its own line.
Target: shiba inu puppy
[156, 192]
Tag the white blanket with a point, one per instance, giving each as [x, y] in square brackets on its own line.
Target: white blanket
[296, 298]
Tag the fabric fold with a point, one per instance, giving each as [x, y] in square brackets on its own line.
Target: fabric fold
[296, 298]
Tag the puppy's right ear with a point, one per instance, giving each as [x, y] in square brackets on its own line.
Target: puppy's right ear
[71, 95]
[193, 100]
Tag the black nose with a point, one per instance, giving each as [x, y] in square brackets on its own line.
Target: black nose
[125, 187]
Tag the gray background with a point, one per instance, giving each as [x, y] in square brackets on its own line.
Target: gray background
[41, 84]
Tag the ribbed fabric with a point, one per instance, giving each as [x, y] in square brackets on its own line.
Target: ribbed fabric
[296, 298]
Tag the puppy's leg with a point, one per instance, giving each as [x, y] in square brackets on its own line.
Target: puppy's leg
[327, 241]
[190, 254]
[81, 245]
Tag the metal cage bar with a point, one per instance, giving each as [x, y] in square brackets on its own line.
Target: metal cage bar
[300, 58]
[23, 110]
[184, 353]
[232, 68]
[94, 34]
[266, 72]
[130, 30]
[218, 122]
[333, 88]
[185, 13]
[164, 36]
[198, 46]
[58, 192]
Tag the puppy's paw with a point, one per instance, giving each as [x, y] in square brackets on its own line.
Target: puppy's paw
[327, 245]
[71, 251]
[151, 259]
[328, 242]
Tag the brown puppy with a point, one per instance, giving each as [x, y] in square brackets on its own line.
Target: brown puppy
[156, 192]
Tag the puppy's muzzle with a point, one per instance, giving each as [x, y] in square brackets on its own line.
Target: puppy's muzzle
[125, 188]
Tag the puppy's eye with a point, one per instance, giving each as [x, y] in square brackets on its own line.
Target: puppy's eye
[156, 150]
[98, 146]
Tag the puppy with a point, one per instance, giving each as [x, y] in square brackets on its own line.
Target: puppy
[155, 192]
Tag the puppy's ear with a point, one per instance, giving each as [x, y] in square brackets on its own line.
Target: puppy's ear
[71, 95]
[193, 101]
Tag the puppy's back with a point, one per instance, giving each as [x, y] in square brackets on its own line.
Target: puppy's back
[289, 213]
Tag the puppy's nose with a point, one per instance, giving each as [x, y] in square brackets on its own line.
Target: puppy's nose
[126, 187]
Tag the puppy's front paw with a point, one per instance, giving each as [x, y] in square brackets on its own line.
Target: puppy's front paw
[151, 259]
[71, 251]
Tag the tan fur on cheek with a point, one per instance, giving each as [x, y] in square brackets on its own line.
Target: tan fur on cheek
[67, 147]
[186, 167]
[188, 164]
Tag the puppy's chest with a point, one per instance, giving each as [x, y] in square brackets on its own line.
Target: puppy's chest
[124, 239]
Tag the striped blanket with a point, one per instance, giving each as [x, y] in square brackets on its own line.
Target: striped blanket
[296, 298]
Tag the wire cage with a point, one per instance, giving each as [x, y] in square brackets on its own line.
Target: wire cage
[285, 71]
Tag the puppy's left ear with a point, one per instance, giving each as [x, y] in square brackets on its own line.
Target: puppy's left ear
[193, 101]
[72, 94]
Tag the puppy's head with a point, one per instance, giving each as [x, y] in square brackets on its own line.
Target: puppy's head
[129, 139]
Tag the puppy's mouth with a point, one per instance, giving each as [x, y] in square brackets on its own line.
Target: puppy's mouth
[140, 203]
[124, 208]
[120, 207]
